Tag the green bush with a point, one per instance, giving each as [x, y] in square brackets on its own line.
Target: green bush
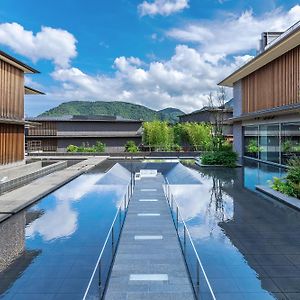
[290, 184]
[223, 158]
[131, 147]
[100, 147]
[85, 148]
[72, 148]
[253, 147]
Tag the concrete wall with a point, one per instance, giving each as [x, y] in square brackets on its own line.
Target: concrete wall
[237, 99]
[238, 138]
[63, 127]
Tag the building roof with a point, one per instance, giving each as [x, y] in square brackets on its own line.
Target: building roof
[32, 91]
[279, 46]
[18, 64]
[228, 107]
[75, 118]
[279, 110]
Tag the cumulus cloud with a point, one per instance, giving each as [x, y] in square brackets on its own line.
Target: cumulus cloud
[184, 80]
[208, 51]
[50, 43]
[162, 7]
[235, 33]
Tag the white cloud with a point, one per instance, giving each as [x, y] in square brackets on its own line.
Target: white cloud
[235, 33]
[215, 49]
[183, 81]
[53, 44]
[162, 7]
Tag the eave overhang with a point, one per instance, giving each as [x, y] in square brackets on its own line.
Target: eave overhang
[18, 64]
[32, 91]
[287, 43]
[276, 111]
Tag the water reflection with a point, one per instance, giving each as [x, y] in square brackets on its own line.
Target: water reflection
[248, 245]
[51, 248]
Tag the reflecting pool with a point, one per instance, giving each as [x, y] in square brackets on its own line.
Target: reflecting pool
[49, 251]
[249, 245]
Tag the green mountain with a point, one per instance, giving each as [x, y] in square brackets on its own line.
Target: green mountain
[115, 108]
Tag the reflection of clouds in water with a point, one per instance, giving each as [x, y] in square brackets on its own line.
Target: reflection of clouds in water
[62, 220]
[76, 189]
[203, 207]
[57, 223]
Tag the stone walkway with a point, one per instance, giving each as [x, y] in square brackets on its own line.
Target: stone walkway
[149, 263]
[16, 200]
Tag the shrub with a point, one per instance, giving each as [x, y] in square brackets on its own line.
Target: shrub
[131, 147]
[224, 158]
[85, 147]
[72, 148]
[100, 147]
[253, 147]
[290, 184]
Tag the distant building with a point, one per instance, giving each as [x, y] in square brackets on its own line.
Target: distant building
[12, 121]
[266, 97]
[208, 115]
[56, 133]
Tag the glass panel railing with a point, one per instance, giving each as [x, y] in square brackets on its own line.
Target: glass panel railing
[198, 277]
[100, 276]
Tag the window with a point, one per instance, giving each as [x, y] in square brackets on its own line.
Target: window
[290, 141]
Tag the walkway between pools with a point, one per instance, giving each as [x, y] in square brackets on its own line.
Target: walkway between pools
[149, 263]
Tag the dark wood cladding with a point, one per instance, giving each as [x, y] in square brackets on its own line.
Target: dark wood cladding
[11, 143]
[43, 129]
[11, 92]
[275, 84]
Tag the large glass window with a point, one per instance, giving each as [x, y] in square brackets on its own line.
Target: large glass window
[272, 142]
[290, 141]
[251, 147]
[269, 142]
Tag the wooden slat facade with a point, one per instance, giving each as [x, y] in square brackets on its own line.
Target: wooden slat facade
[11, 107]
[44, 129]
[11, 143]
[11, 92]
[275, 84]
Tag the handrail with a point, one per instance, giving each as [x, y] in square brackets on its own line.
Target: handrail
[124, 204]
[171, 201]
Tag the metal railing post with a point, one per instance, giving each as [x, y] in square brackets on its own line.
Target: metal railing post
[198, 279]
[177, 218]
[112, 240]
[184, 241]
[100, 274]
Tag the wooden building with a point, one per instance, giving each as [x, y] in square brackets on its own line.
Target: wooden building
[57, 133]
[266, 96]
[12, 121]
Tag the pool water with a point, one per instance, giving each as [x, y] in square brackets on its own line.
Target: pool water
[249, 245]
[49, 251]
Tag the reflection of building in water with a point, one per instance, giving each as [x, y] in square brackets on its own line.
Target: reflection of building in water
[14, 258]
[265, 235]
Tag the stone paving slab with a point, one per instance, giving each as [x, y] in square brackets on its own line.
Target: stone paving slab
[148, 257]
[16, 200]
[4, 216]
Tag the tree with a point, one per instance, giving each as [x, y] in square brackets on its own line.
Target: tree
[217, 104]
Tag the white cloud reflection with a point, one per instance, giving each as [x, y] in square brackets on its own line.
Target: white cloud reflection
[202, 209]
[61, 221]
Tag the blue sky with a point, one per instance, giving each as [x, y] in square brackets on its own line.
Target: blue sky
[159, 53]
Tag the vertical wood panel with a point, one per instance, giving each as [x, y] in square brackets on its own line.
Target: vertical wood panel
[273, 85]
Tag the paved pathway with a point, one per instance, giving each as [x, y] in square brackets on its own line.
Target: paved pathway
[16, 200]
[149, 263]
